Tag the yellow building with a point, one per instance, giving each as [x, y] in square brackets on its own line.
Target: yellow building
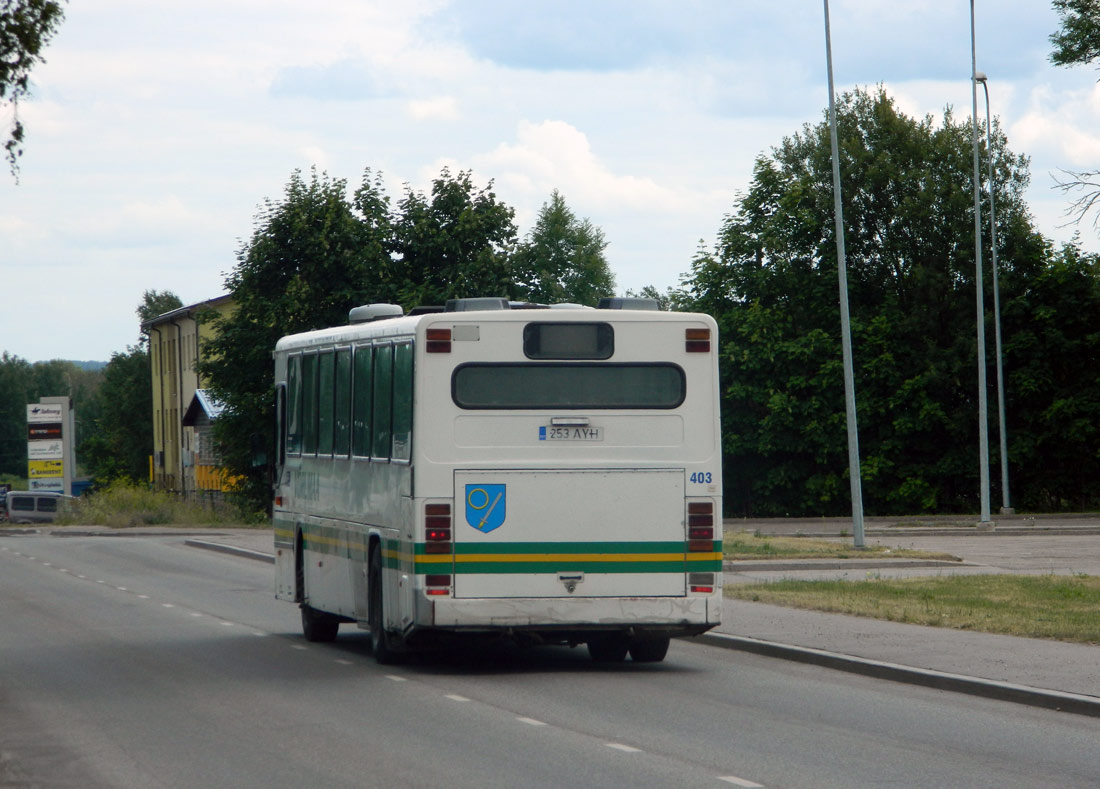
[182, 459]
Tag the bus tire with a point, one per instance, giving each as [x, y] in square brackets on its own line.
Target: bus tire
[318, 626]
[649, 650]
[608, 647]
[379, 639]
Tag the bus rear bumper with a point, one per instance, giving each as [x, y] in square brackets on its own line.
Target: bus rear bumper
[672, 615]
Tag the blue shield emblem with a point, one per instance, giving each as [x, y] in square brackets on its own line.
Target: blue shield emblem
[485, 506]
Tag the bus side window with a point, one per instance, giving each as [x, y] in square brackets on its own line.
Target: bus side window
[280, 425]
[294, 405]
[342, 441]
[309, 403]
[326, 401]
[402, 401]
[361, 402]
[383, 400]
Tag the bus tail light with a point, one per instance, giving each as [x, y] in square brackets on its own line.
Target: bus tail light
[701, 583]
[697, 340]
[438, 340]
[437, 528]
[437, 585]
[700, 526]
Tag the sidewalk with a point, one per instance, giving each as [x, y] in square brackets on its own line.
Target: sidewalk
[1035, 671]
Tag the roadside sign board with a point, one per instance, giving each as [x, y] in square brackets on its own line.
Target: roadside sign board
[44, 412]
[44, 430]
[45, 450]
[37, 469]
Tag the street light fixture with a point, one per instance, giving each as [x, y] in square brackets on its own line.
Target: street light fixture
[1006, 507]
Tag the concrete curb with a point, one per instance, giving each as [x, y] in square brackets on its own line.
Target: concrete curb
[231, 549]
[958, 683]
[749, 565]
[918, 531]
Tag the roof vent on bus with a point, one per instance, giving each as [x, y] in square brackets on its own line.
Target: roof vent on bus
[627, 303]
[470, 305]
[425, 309]
[374, 312]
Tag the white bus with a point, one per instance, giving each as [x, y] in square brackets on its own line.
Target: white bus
[548, 475]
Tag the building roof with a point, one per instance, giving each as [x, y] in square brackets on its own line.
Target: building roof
[202, 404]
[185, 312]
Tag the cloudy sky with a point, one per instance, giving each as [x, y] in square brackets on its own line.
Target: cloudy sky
[157, 129]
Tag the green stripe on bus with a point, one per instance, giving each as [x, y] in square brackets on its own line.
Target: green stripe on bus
[500, 568]
[672, 546]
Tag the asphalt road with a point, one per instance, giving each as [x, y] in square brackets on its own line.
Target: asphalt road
[141, 662]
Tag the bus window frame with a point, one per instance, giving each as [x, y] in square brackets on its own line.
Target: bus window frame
[326, 400]
[411, 383]
[342, 449]
[358, 451]
[307, 448]
[293, 404]
[376, 440]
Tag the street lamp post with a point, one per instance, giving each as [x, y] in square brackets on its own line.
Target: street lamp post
[983, 418]
[854, 478]
[1006, 507]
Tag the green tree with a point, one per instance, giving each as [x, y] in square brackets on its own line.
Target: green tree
[1077, 43]
[120, 441]
[21, 383]
[155, 303]
[562, 259]
[26, 27]
[313, 255]
[1077, 40]
[454, 244]
[772, 285]
[15, 389]
[1053, 346]
[117, 436]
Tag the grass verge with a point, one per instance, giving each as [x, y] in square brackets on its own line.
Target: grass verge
[1063, 607]
[746, 545]
[123, 505]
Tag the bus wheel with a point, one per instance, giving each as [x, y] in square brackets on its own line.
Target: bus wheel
[318, 626]
[608, 647]
[649, 650]
[379, 641]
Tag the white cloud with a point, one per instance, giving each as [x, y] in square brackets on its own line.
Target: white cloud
[443, 108]
[555, 155]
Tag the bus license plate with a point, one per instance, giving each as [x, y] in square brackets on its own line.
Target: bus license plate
[570, 434]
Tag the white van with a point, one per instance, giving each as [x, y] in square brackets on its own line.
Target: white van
[33, 506]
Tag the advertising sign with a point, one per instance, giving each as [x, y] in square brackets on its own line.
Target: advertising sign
[50, 457]
[37, 469]
[45, 450]
[44, 430]
[44, 412]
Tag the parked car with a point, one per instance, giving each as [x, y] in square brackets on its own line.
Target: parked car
[33, 506]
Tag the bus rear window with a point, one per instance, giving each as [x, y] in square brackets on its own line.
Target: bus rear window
[568, 341]
[560, 386]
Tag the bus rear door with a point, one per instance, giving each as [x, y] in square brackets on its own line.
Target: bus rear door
[569, 533]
